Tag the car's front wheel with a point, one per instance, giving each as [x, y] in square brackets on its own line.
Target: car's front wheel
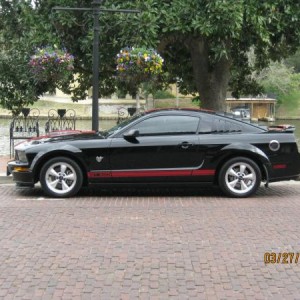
[239, 177]
[61, 177]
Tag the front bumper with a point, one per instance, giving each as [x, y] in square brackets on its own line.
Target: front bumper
[21, 173]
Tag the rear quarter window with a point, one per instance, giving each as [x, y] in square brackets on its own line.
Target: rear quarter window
[224, 125]
[217, 124]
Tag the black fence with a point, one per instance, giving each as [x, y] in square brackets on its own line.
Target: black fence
[125, 113]
[60, 119]
[24, 126]
[27, 124]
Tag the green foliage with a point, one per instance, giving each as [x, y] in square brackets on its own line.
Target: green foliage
[199, 40]
[17, 86]
[278, 79]
[294, 61]
[138, 65]
[197, 100]
[51, 65]
[163, 94]
[291, 100]
[17, 89]
[281, 82]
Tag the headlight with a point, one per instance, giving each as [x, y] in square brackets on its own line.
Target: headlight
[21, 156]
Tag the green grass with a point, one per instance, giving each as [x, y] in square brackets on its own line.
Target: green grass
[287, 109]
[183, 103]
[44, 106]
[290, 106]
[163, 95]
[84, 110]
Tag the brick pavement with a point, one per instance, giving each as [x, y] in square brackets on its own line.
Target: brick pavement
[3, 162]
[148, 244]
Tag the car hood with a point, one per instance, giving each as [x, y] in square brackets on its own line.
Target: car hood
[62, 135]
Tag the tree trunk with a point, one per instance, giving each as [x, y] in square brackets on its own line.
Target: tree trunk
[138, 102]
[211, 80]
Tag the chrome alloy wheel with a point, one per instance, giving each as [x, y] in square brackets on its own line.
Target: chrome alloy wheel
[240, 178]
[61, 177]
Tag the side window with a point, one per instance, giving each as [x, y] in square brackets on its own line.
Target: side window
[221, 126]
[205, 125]
[164, 125]
[234, 127]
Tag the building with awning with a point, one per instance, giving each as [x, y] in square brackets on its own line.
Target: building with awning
[260, 108]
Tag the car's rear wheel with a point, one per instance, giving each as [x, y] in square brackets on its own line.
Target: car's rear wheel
[239, 177]
[61, 177]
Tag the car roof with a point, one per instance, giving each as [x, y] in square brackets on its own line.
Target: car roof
[197, 111]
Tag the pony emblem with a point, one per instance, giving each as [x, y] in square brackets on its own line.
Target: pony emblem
[99, 158]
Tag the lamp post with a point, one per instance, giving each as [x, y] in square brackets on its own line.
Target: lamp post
[96, 65]
[96, 76]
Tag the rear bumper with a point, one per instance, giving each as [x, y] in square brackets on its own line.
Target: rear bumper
[296, 177]
[287, 168]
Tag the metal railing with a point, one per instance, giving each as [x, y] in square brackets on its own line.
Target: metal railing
[125, 113]
[60, 119]
[24, 126]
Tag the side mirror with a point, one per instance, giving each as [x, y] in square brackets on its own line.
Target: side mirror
[131, 134]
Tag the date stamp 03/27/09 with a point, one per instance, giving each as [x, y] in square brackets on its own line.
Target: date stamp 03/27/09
[281, 258]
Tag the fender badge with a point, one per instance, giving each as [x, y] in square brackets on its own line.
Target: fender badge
[99, 158]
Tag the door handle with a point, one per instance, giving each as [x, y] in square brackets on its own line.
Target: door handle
[185, 145]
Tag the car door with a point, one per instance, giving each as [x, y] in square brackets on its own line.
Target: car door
[166, 148]
[214, 134]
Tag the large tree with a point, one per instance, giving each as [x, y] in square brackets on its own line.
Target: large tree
[17, 86]
[215, 37]
[205, 43]
[294, 61]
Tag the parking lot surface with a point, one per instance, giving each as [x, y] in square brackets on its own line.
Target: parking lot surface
[150, 244]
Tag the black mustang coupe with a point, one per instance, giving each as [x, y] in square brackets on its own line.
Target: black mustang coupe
[170, 147]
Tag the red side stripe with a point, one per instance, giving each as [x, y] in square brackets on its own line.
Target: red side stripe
[150, 173]
[154, 173]
[282, 166]
[101, 174]
[203, 172]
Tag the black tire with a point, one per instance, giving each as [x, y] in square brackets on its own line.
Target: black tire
[61, 177]
[239, 177]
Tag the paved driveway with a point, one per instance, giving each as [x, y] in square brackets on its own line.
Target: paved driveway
[149, 244]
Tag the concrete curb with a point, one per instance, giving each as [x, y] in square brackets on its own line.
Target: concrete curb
[5, 179]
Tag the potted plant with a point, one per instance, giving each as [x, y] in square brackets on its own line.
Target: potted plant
[51, 65]
[138, 65]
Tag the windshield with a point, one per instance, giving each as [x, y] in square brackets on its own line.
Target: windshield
[119, 126]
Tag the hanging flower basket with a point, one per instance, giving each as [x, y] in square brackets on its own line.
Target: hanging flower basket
[138, 64]
[51, 65]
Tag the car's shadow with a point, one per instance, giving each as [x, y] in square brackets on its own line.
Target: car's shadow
[212, 191]
[151, 191]
[129, 192]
